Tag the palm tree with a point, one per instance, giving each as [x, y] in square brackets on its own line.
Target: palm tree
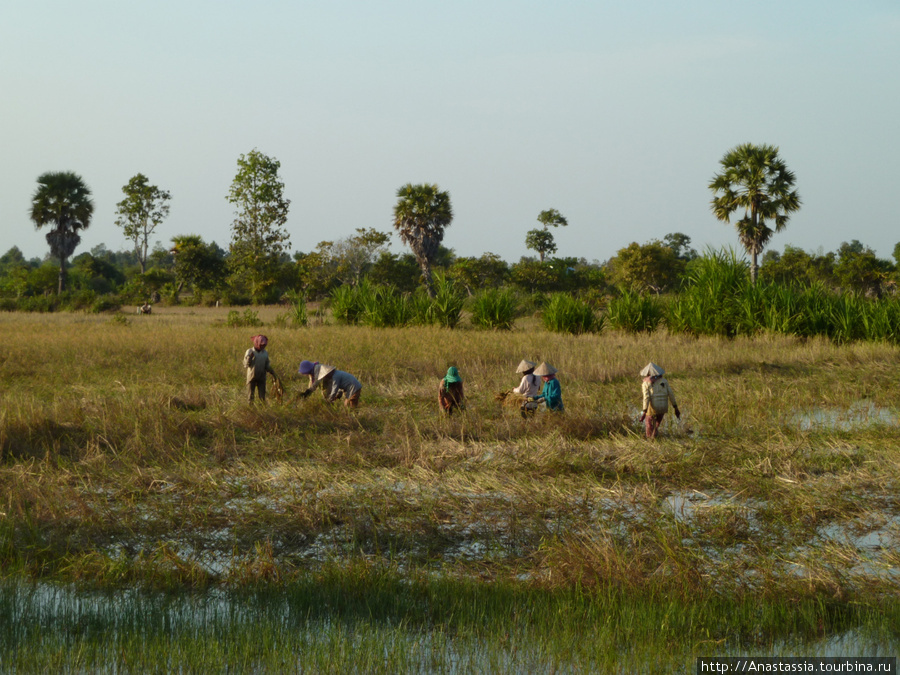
[421, 215]
[63, 201]
[755, 179]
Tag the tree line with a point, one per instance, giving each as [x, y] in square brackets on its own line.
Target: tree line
[753, 185]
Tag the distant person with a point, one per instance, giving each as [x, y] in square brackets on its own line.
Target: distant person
[551, 392]
[337, 383]
[257, 365]
[656, 396]
[146, 308]
[450, 392]
[529, 387]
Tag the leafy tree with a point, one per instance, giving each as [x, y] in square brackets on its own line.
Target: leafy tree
[541, 240]
[258, 236]
[534, 276]
[796, 266]
[63, 201]
[755, 179]
[12, 259]
[145, 206]
[421, 215]
[680, 243]
[860, 270]
[399, 271]
[353, 256]
[474, 274]
[198, 265]
[651, 267]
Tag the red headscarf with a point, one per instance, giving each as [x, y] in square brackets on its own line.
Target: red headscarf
[259, 342]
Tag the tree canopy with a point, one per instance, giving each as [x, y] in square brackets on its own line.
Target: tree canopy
[421, 215]
[541, 240]
[145, 206]
[753, 178]
[63, 201]
[258, 235]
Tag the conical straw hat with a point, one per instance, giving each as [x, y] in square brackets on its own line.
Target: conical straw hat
[652, 370]
[525, 365]
[545, 369]
[324, 371]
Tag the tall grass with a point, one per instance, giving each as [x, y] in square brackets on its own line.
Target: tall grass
[446, 307]
[634, 312]
[565, 314]
[381, 306]
[494, 309]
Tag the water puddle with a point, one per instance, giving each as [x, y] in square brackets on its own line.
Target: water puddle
[860, 415]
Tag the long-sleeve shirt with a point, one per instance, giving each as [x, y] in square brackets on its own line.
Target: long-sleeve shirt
[552, 395]
[529, 386]
[314, 377]
[656, 396]
[257, 365]
[341, 383]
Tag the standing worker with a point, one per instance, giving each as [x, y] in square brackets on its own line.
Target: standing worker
[450, 392]
[656, 396]
[551, 393]
[256, 363]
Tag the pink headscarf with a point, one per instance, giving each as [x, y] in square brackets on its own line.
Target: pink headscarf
[259, 342]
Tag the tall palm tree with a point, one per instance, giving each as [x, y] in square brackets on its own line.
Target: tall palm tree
[421, 215]
[754, 179]
[63, 201]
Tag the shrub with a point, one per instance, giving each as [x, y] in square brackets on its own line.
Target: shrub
[248, 319]
[565, 314]
[347, 302]
[635, 312]
[384, 307]
[446, 307]
[296, 315]
[494, 309]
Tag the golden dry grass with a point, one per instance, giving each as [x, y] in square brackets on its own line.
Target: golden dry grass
[136, 437]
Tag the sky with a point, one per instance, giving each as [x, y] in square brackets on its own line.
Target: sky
[614, 113]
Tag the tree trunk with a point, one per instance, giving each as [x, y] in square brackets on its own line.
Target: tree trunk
[62, 275]
[426, 277]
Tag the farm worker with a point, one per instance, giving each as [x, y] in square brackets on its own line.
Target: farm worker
[336, 382]
[256, 363]
[551, 393]
[529, 387]
[656, 396]
[450, 391]
[313, 369]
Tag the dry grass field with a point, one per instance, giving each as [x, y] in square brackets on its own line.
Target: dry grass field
[129, 458]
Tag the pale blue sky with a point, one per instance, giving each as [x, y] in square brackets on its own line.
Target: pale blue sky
[614, 113]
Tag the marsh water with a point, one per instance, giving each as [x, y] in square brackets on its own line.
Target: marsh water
[72, 630]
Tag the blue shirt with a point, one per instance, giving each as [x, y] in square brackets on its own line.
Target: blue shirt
[552, 394]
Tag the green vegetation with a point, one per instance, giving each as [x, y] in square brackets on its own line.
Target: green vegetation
[756, 180]
[258, 234]
[63, 202]
[421, 215]
[565, 314]
[167, 524]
